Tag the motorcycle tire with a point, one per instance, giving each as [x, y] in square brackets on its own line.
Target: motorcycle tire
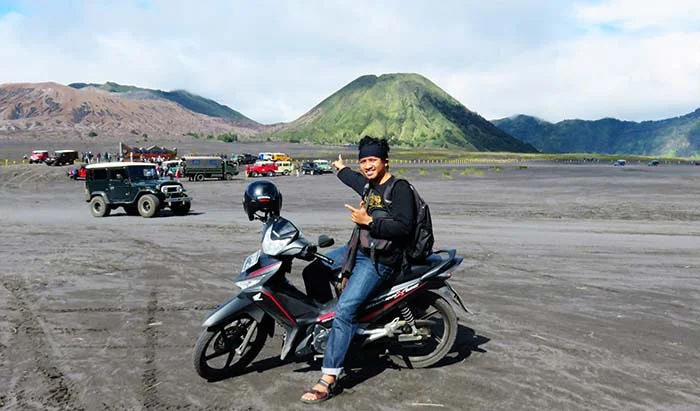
[213, 344]
[423, 355]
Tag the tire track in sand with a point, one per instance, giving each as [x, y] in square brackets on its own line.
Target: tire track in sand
[62, 391]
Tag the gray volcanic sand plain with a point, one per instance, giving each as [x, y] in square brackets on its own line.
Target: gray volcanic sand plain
[584, 280]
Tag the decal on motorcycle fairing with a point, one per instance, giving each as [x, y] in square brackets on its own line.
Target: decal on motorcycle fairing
[393, 293]
[326, 317]
[279, 306]
[265, 270]
[399, 295]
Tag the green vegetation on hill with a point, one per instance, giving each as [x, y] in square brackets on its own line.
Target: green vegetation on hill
[190, 101]
[679, 136]
[230, 137]
[407, 109]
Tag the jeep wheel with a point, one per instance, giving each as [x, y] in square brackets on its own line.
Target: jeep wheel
[270, 173]
[180, 208]
[149, 206]
[229, 176]
[199, 177]
[99, 207]
[254, 174]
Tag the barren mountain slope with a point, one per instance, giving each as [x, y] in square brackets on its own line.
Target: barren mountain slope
[54, 109]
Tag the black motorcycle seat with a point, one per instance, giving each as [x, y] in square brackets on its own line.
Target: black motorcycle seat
[417, 270]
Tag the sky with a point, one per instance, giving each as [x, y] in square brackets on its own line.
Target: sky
[274, 60]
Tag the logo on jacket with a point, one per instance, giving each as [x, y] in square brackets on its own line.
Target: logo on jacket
[374, 201]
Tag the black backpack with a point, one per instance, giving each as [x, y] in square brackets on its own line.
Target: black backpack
[422, 242]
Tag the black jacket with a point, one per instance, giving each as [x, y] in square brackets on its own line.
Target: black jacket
[395, 224]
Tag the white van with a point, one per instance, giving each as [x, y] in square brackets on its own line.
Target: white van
[285, 167]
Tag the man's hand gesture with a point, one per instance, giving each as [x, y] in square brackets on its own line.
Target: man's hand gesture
[359, 215]
[339, 164]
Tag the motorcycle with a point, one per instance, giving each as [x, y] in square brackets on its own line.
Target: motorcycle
[409, 315]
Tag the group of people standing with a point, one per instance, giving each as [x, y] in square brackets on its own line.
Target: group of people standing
[89, 158]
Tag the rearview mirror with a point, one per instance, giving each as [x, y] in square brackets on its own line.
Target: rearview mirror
[325, 241]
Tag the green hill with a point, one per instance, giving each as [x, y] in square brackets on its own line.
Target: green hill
[408, 109]
[679, 136]
[190, 101]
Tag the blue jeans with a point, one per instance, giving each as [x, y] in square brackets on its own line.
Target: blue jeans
[365, 278]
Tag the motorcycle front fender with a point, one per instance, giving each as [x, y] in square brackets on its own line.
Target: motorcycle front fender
[226, 311]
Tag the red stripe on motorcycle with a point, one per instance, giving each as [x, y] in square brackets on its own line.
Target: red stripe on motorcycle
[386, 306]
[326, 317]
[262, 270]
[274, 300]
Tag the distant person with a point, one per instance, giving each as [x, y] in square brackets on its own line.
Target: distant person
[366, 264]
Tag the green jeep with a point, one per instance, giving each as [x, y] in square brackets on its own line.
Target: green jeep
[134, 186]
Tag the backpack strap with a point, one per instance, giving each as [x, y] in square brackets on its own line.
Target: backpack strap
[390, 188]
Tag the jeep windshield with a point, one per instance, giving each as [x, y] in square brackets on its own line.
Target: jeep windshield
[140, 173]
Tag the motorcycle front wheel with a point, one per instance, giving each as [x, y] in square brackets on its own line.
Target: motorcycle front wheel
[220, 352]
[436, 318]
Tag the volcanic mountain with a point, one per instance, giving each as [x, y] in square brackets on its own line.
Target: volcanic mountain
[188, 100]
[407, 109]
[51, 109]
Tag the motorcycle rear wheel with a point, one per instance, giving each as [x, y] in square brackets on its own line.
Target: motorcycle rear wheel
[215, 356]
[434, 313]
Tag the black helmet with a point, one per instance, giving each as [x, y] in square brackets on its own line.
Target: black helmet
[262, 195]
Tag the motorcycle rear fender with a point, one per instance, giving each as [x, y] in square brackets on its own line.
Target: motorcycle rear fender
[236, 305]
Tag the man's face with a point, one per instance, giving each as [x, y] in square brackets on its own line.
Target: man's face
[372, 167]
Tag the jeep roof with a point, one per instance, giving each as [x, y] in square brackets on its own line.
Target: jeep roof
[201, 158]
[65, 151]
[118, 164]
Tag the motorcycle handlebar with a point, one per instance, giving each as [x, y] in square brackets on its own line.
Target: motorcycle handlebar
[323, 258]
[310, 252]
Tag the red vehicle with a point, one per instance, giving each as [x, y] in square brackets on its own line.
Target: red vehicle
[38, 156]
[261, 168]
[77, 173]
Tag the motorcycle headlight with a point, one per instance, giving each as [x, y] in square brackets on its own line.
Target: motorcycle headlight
[243, 284]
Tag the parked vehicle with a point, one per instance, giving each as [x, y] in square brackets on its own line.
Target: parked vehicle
[285, 167]
[198, 168]
[409, 317]
[77, 173]
[653, 163]
[620, 163]
[172, 165]
[324, 165]
[265, 156]
[280, 157]
[62, 157]
[244, 158]
[135, 187]
[261, 168]
[312, 168]
[38, 156]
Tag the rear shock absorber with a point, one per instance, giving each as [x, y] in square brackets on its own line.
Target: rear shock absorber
[408, 317]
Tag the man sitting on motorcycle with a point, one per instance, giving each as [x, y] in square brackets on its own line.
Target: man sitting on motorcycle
[383, 232]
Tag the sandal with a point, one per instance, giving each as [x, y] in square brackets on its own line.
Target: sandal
[320, 396]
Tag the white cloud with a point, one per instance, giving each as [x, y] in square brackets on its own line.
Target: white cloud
[643, 14]
[274, 60]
